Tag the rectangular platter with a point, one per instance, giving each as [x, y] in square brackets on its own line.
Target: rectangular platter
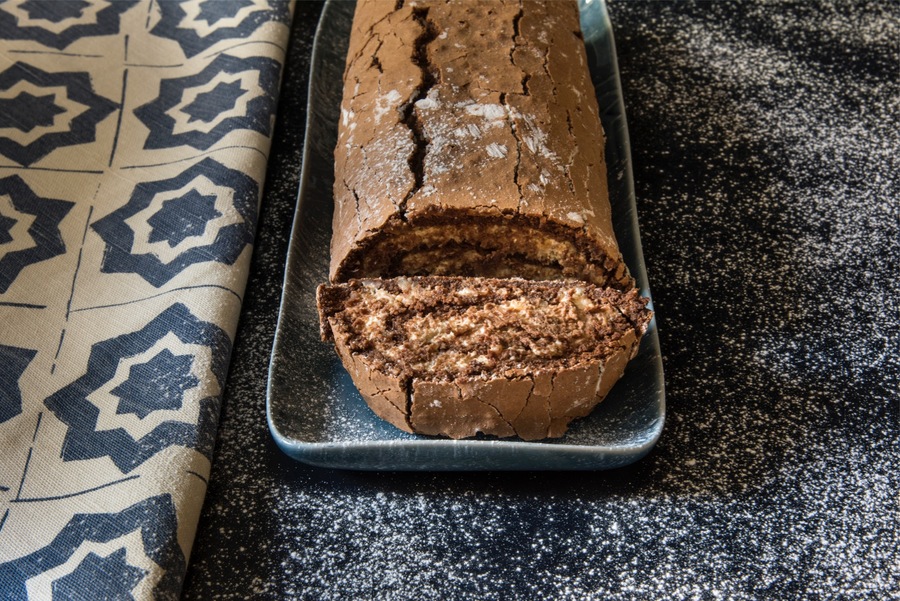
[314, 411]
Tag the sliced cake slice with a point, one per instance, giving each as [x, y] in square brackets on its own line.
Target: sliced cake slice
[458, 356]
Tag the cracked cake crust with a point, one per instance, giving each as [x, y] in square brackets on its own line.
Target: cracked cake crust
[446, 122]
[470, 146]
[458, 356]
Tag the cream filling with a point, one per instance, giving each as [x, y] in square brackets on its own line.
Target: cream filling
[452, 339]
[479, 249]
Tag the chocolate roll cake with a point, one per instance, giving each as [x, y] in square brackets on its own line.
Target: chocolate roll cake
[453, 356]
[476, 283]
[470, 144]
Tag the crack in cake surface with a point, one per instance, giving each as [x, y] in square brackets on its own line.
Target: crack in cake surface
[410, 112]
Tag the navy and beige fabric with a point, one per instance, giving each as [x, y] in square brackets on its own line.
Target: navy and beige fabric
[133, 144]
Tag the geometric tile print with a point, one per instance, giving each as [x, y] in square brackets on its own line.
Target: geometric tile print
[146, 385]
[231, 93]
[127, 408]
[206, 213]
[29, 228]
[196, 24]
[58, 24]
[13, 361]
[94, 576]
[87, 581]
[40, 112]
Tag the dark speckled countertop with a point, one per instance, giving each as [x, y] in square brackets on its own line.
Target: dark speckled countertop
[765, 143]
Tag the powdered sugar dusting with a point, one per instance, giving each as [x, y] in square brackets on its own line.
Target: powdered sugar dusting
[534, 137]
[764, 152]
[497, 151]
[430, 102]
[491, 112]
[576, 217]
[385, 103]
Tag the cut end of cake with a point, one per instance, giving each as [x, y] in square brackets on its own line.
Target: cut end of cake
[484, 243]
[458, 356]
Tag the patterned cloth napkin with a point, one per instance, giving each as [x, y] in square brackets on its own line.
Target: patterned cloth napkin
[133, 143]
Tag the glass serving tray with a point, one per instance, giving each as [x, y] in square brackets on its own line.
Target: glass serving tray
[314, 411]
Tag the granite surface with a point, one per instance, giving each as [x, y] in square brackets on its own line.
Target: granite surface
[764, 142]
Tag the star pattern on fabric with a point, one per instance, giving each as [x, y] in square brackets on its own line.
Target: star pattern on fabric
[213, 12]
[53, 112]
[206, 105]
[54, 12]
[6, 224]
[66, 113]
[157, 384]
[157, 233]
[90, 580]
[224, 97]
[13, 362]
[229, 94]
[57, 24]
[138, 397]
[25, 112]
[28, 242]
[199, 24]
[18, 235]
[73, 407]
[154, 519]
[127, 390]
[183, 217]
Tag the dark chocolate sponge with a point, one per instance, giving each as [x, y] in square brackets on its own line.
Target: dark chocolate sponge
[457, 356]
